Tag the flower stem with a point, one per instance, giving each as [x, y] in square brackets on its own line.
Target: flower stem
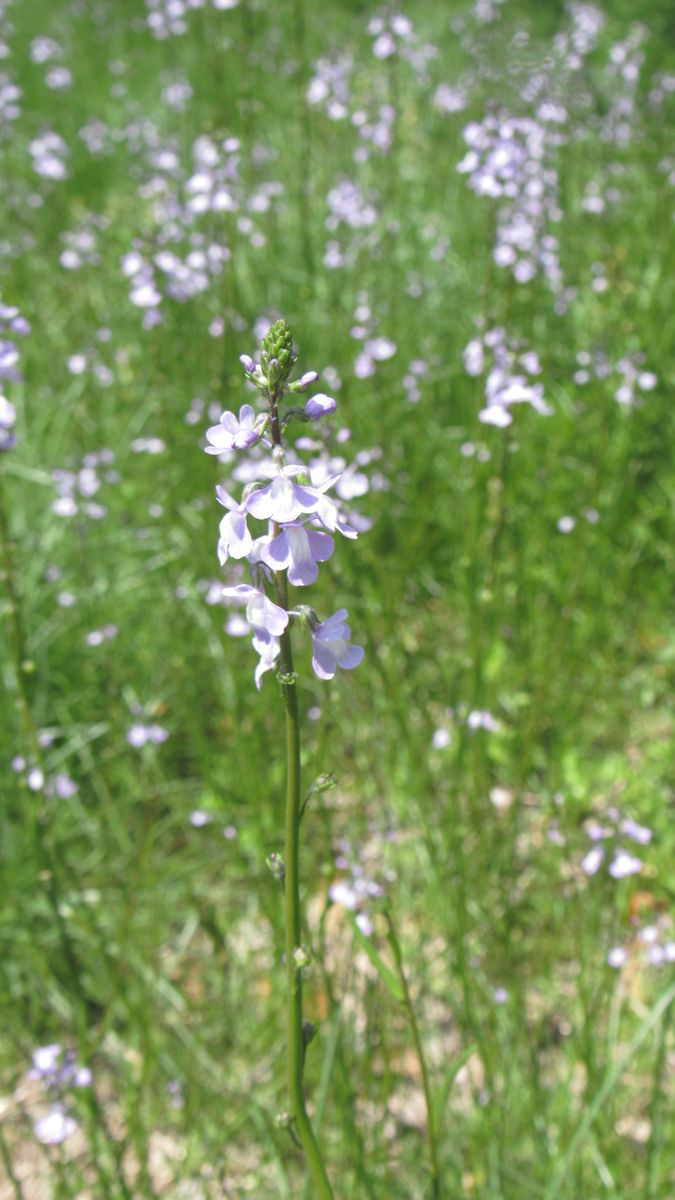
[292, 914]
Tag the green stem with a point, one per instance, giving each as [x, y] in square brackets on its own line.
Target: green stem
[302, 1125]
[292, 914]
[421, 1058]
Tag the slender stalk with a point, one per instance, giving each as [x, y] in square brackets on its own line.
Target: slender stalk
[421, 1058]
[292, 909]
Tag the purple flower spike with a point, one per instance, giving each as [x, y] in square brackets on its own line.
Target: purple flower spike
[298, 550]
[234, 433]
[319, 406]
[235, 540]
[331, 649]
[263, 616]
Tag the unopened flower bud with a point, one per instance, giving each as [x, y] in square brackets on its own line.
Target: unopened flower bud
[305, 381]
[247, 363]
[319, 406]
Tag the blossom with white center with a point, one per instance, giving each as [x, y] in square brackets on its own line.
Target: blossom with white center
[139, 735]
[235, 433]
[262, 615]
[441, 739]
[331, 648]
[61, 786]
[638, 833]
[235, 540]
[298, 550]
[365, 924]
[617, 957]
[46, 1060]
[480, 718]
[283, 499]
[624, 864]
[592, 862]
[55, 1127]
[495, 414]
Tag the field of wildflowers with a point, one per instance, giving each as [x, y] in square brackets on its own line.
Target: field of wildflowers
[381, 919]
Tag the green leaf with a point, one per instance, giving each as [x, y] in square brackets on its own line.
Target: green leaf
[388, 977]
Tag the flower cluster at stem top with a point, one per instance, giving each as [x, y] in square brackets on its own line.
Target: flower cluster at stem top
[294, 501]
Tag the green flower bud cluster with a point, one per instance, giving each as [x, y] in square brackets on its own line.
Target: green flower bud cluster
[278, 356]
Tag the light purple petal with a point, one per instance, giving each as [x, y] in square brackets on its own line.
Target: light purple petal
[220, 440]
[321, 545]
[225, 498]
[245, 438]
[302, 573]
[229, 422]
[277, 554]
[332, 627]
[241, 592]
[323, 662]
[351, 657]
[260, 503]
[234, 536]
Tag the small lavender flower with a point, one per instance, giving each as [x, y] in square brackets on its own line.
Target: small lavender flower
[262, 614]
[298, 550]
[331, 648]
[235, 433]
[55, 1127]
[592, 862]
[283, 499]
[624, 864]
[139, 735]
[235, 540]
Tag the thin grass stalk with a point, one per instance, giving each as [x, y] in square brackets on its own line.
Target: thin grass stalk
[432, 1144]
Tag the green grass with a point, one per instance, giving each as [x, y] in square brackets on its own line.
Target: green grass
[152, 948]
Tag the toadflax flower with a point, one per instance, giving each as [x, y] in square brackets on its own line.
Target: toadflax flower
[298, 550]
[262, 615]
[331, 648]
[235, 540]
[235, 433]
[284, 499]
